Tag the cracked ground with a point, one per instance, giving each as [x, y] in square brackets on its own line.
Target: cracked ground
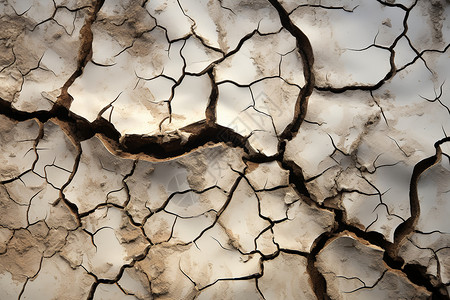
[219, 149]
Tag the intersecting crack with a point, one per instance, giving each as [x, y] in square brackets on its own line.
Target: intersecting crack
[263, 149]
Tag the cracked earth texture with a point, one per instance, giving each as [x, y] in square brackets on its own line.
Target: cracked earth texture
[218, 149]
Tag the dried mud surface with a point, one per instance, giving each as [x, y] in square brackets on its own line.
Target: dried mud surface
[224, 149]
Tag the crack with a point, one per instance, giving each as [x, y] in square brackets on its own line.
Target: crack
[368, 287]
[319, 283]
[325, 7]
[306, 53]
[438, 97]
[84, 54]
[406, 228]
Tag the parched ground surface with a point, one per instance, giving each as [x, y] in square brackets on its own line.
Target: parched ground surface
[223, 149]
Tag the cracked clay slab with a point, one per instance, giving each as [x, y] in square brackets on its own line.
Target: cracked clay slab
[219, 149]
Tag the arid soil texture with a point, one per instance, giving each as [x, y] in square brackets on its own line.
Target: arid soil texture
[219, 149]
